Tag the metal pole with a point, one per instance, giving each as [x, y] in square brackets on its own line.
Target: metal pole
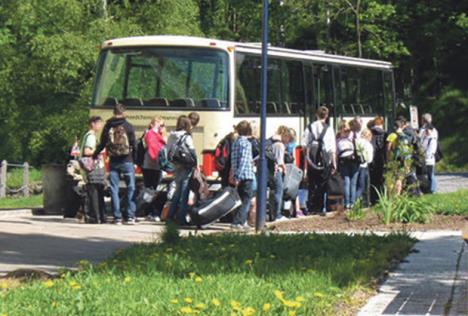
[263, 171]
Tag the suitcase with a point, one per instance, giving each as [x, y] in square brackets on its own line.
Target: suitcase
[292, 181]
[210, 210]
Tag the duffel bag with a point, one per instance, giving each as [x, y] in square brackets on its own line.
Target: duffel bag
[210, 210]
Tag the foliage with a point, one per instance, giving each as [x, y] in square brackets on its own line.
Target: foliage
[356, 213]
[15, 177]
[385, 206]
[218, 275]
[21, 202]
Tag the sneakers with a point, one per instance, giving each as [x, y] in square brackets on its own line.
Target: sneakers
[151, 218]
[281, 219]
[237, 227]
[117, 222]
[130, 221]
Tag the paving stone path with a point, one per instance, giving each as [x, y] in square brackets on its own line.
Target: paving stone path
[431, 281]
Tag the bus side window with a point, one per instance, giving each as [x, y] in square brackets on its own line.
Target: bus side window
[247, 84]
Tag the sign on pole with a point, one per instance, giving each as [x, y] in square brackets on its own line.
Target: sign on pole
[414, 118]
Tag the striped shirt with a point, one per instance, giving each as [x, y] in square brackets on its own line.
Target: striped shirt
[241, 159]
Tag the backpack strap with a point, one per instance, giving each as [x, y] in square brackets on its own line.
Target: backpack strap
[322, 134]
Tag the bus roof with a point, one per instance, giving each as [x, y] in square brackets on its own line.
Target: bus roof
[255, 48]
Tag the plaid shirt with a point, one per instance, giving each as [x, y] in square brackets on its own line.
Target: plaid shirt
[241, 159]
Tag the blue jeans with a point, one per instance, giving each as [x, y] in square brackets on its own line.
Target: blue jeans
[431, 177]
[246, 192]
[362, 182]
[278, 189]
[179, 201]
[126, 170]
[349, 171]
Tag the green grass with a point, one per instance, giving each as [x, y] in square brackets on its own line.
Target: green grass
[15, 177]
[21, 202]
[226, 274]
[454, 203]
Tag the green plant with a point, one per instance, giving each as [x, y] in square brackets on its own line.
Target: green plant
[171, 234]
[356, 213]
[411, 210]
[385, 206]
[15, 177]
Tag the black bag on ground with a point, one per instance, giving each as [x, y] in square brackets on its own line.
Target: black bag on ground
[335, 185]
[292, 181]
[210, 210]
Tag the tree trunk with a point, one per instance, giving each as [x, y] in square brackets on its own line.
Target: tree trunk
[358, 28]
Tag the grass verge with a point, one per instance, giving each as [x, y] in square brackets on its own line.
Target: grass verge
[227, 274]
[21, 202]
[454, 203]
[15, 177]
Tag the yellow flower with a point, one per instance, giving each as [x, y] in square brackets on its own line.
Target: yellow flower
[292, 313]
[49, 283]
[215, 302]
[186, 310]
[279, 295]
[200, 306]
[266, 307]
[235, 305]
[188, 300]
[318, 295]
[74, 285]
[54, 304]
[291, 304]
[127, 279]
[248, 262]
[175, 301]
[248, 311]
[192, 275]
[300, 299]
[198, 279]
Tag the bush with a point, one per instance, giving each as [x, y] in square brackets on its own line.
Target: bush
[356, 213]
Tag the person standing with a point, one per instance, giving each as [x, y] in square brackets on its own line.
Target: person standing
[429, 144]
[319, 134]
[366, 151]
[377, 167]
[118, 138]
[95, 208]
[152, 174]
[181, 152]
[243, 172]
[348, 164]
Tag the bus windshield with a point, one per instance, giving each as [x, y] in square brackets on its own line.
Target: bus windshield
[172, 77]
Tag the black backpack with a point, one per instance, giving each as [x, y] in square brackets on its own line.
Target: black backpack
[270, 154]
[318, 158]
[179, 153]
[223, 154]
[140, 151]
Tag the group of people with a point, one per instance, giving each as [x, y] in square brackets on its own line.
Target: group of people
[357, 154]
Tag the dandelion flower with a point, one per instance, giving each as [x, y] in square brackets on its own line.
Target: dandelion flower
[235, 305]
[291, 304]
[248, 311]
[266, 307]
[279, 295]
[74, 285]
[188, 300]
[175, 301]
[215, 302]
[200, 306]
[248, 262]
[127, 279]
[318, 294]
[49, 283]
[192, 275]
[198, 279]
[186, 310]
[300, 299]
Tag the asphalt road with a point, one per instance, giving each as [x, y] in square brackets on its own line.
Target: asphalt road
[450, 182]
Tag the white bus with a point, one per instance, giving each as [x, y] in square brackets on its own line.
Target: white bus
[172, 75]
